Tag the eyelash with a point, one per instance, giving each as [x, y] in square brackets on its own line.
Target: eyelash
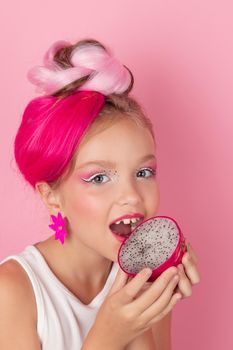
[91, 180]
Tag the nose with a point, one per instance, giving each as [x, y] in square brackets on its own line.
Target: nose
[128, 194]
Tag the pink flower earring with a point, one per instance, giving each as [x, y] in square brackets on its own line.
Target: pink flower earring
[59, 227]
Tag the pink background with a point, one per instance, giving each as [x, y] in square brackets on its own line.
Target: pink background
[181, 54]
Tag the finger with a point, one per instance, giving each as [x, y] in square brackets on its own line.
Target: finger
[174, 300]
[184, 285]
[154, 291]
[143, 289]
[135, 285]
[160, 303]
[190, 269]
[192, 252]
[119, 282]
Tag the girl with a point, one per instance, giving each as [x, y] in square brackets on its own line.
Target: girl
[88, 150]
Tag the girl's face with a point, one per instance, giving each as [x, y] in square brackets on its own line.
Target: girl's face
[114, 175]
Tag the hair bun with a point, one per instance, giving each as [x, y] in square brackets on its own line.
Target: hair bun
[88, 62]
[49, 55]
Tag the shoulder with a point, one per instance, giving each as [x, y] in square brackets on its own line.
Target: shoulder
[17, 302]
[16, 290]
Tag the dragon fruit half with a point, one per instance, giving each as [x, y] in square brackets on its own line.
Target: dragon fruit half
[157, 243]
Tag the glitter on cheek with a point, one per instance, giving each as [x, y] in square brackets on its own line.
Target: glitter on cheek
[114, 175]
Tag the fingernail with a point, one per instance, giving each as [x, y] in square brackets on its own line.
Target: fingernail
[148, 271]
[175, 278]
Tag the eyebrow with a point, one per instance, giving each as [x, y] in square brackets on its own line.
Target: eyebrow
[111, 164]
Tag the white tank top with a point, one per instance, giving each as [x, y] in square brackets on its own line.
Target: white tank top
[63, 320]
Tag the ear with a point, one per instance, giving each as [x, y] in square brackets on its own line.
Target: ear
[50, 197]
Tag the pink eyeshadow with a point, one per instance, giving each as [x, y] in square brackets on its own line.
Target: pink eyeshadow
[88, 174]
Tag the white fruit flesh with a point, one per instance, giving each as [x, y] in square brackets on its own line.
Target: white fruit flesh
[151, 243]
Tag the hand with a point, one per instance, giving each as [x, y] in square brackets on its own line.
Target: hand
[122, 318]
[188, 273]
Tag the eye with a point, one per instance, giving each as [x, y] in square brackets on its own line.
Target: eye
[98, 177]
[152, 172]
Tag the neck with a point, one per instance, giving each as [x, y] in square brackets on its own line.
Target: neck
[75, 262]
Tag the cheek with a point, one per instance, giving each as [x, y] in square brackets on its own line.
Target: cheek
[89, 208]
[84, 215]
[86, 206]
[154, 201]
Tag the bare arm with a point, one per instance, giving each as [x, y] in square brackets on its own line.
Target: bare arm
[162, 333]
[17, 321]
[143, 342]
[156, 338]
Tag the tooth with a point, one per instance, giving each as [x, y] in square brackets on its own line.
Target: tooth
[121, 221]
[126, 221]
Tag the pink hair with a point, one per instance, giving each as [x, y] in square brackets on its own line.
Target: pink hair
[92, 81]
[51, 130]
[107, 74]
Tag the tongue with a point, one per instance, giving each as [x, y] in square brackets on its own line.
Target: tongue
[123, 229]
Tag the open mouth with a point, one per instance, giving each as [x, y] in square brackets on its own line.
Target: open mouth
[124, 230]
